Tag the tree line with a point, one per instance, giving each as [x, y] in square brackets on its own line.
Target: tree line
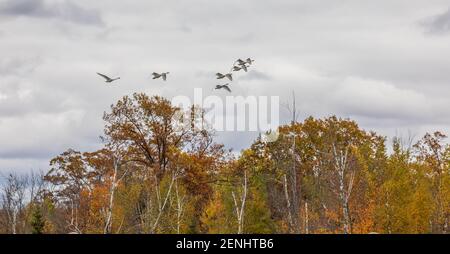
[158, 172]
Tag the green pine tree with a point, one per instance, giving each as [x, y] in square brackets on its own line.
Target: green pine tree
[37, 221]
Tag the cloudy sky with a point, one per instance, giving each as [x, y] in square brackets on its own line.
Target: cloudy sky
[383, 63]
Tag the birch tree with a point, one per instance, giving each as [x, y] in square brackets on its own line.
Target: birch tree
[13, 200]
[343, 183]
[239, 203]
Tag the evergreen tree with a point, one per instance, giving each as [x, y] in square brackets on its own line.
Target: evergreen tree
[37, 221]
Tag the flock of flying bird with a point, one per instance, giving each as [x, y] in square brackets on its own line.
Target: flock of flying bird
[238, 65]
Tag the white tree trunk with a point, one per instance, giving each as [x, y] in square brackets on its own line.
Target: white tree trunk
[288, 201]
[14, 222]
[180, 207]
[306, 218]
[240, 206]
[114, 183]
[163, 205]
[345, 190]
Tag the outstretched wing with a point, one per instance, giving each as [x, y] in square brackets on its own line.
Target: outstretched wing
[104, 76]
[229, 76]
[227, 88]
[220, 75]
[244, 68]
[164, 76]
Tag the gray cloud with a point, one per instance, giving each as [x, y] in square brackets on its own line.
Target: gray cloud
[438, 24]
[18, 65]
[62, 10]
[366, 61]
[256, 75]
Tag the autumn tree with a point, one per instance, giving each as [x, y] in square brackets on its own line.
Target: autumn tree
[239, 204]
[160, 171]
[434, 155]
[70, 180]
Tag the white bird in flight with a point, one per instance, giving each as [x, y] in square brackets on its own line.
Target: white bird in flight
[240, 62]
[221, 76]
[242, 65]
[236, 68]
[223, 87]
[158, 75]
[108, 79]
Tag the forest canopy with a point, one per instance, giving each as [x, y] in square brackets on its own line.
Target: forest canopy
[153, 176]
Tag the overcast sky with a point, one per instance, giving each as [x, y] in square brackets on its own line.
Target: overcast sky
[383, 63]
